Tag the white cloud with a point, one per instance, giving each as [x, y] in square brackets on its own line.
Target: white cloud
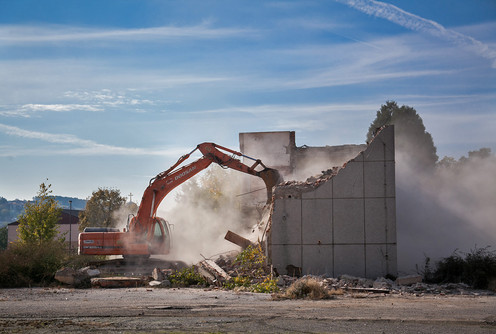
[350, 76]
[22, 34]
[58, 107]
[293, 109]
[417, 23]
[79, 146]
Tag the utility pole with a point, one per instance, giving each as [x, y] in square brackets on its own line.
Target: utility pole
[70, 226]
[130, 197]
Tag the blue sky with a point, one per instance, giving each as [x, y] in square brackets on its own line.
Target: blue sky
[110, 93]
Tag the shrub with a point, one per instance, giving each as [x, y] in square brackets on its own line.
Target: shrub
[477, 269]
[186, 277]
[253, 274]
[27, 264]
[251, 262]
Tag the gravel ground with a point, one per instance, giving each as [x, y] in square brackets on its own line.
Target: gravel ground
[145, 310]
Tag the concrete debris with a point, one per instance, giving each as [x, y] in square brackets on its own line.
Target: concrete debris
[117, 282]
[66, 275]
[373, 290]
[310, 184]
[158, 274]
[91, 272]
[212, 273]
[387, 286]
[237, 239]
[409, 280]
[76, 278]
[160, 284]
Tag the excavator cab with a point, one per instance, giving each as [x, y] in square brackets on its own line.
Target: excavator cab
[160, 240]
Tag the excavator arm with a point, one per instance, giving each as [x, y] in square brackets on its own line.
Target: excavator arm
[147, 234]
[166, 181]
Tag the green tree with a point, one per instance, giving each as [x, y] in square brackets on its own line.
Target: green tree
[411, 137]
[481, 155]
[4, 236]
[4, 210]
[38, 223]
[101, 208]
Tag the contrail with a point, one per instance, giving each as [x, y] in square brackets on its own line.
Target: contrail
[417, 23]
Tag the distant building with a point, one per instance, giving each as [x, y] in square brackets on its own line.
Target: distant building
[68, 227]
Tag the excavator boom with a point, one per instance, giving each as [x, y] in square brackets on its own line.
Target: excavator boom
[148, 234]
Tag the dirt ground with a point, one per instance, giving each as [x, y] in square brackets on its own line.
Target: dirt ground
[145, 310]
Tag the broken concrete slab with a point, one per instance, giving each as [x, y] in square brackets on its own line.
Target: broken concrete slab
[117, 282]
[158, 274]
[237, 239]
[76, 278]
[409, 280]
[66, 275]
[89, 271]
[372, 290]
[160, 284]
[212, 273]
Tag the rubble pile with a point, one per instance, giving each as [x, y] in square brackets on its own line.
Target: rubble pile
[309, 184]
[353, 284]
[217, 272]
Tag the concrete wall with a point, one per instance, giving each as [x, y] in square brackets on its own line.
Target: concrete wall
[340, 224]
[275, 150]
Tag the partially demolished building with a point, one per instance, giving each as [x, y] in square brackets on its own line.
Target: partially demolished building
[340, 222]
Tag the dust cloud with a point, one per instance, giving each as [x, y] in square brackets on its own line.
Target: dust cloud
[205, 208]
[122, 214]
[442, 209]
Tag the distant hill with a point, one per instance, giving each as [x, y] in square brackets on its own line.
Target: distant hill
[10, 210]
[77, 203]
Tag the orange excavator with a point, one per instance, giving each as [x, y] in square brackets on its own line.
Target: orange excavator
[148, 234]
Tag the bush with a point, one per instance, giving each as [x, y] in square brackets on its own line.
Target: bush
[27, 264]
[477, 269]
[186, 277]
[252, 272]
[251, 262]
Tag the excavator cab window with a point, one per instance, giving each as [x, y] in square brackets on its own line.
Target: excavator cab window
[157, 233]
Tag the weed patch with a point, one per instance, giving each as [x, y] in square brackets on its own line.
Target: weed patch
[187, 277]
[252, 273]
